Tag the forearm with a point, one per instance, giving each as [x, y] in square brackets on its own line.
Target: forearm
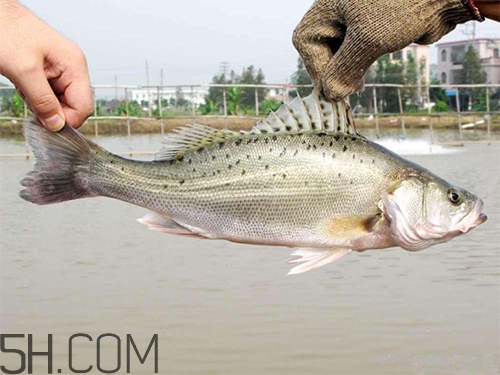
[489, 8]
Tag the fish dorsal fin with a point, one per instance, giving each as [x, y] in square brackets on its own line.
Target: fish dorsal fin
[310, 114]
[190, 138]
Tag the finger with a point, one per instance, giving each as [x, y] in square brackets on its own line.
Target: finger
[317, 38]
[345, 71]
[41, 98]
[77, 101]
[75, 92]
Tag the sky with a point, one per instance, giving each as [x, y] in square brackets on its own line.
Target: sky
[188, 39]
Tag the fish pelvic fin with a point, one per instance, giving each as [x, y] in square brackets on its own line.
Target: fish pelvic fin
[163, 224]
[312, 258]
[61, 161]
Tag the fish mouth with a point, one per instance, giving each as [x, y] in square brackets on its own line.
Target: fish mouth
[474, 218]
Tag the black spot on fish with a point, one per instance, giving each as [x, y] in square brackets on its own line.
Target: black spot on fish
[260, 157]
[238, 142]
[267, 166]
[194, 169]
[214, 157]
[351, 182]
[238, 161]
[111, 161]
[324, 155]
[190, 161]
[266, 140]
[228, 156]
[204, 175]
[213, 174]
[340, 174]
[271, 149]
[296, 153]
[229, 166]
[243, 172]
[331, 143]
[165, 186]
[182, 182]
[248, 156]
[308, 147]
[255, 140]
[361, 161]
[304, 142]
[249, 141]
[322, 144]
[275, 138]
[373, 161]
[227, 184]
[172, 161]
[200, 150]
[221, 145]
[313, 124]
[218, 171]
[345, 138]
[180, 158]
[354, 156]
[336, 137]
[284, 175]
[314, 147]
[333, 155]
[322, 106]
[344, 149]
[122, 169]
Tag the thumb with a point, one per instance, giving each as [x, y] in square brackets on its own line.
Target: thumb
[41, 99]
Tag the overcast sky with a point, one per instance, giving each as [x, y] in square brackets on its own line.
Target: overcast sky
[186, 38]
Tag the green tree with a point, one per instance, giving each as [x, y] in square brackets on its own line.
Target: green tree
[301, 77]
[133, 109]
[269, 105]
[210, 107]
[473, 73]
[234, 100]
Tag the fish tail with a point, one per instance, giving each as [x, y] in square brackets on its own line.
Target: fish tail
[62, 162]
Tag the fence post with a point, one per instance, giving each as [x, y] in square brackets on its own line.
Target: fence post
[159, 91]
[256, 102]
[128, 122]
[225, 107]
[431, 127]
[459, 116]
[96, 125]
[375, 108]
[488, 115]
[193, 108]
[402, 112]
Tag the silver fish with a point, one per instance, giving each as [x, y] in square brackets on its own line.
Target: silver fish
[303, 178]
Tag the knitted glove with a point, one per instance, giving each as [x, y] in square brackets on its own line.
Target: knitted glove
[339, 39]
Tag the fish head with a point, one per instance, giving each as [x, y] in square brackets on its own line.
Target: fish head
[425, 210]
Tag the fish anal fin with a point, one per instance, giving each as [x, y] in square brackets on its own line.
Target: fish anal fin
[312, 258]
[163, 224]
[348, 227]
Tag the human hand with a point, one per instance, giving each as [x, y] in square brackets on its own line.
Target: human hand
[340, 39]
[49, 71]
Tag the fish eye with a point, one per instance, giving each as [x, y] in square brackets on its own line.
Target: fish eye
[454, 196]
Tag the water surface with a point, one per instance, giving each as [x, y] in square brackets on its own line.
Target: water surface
[221, 308]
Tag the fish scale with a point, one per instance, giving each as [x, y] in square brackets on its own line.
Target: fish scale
[303, 177]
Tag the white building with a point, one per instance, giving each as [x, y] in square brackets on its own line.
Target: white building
[169, 94]
[451, 55]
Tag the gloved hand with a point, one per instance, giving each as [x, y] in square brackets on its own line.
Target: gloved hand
[339, 39]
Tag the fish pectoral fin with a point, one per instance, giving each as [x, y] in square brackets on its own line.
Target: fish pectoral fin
[163, 224]
[348, 227]
[312, 258]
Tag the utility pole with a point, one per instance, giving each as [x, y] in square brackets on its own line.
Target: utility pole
[149, 92]
[224, 67]
[116, 88]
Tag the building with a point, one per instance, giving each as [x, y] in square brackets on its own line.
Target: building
[451, 55]
[422, 56]
[169, 94]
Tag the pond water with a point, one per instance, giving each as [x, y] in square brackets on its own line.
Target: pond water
[221, 308]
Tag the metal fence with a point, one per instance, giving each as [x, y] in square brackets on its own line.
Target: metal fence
[373, 96]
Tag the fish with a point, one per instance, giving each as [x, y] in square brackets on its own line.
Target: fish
[303, 178]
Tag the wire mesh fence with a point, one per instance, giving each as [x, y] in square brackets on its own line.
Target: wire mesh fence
[158, 109]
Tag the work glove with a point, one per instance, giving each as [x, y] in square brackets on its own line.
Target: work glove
[339, 39]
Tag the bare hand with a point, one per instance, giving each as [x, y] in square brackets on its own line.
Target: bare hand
[49, 71]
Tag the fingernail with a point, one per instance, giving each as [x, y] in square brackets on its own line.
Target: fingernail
[54, 123]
